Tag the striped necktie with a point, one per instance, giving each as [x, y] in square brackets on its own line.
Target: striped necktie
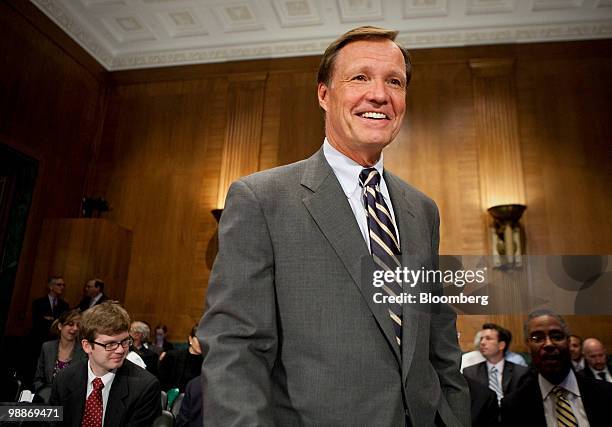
[494, 384]
[384, 243]
[563, 410]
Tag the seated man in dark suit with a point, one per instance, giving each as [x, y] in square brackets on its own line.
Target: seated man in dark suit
[575, 349]
[552, 395]
[94, 294]
[106, 389]
[139, 331]
[597, 365]
[496, 373]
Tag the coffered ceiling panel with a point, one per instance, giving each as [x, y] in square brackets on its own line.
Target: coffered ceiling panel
[128, 34]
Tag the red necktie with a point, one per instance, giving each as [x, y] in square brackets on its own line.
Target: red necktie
[93, 407]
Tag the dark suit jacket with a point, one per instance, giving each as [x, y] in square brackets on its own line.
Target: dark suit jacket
[587, 373]
[134, 398]
[190, 414]
[485, 411]
[512, 376]
[41, 308]
[47, 359]
[292, 334]
[150, 358]
[84, 304]
[177, 368]
[525, 406]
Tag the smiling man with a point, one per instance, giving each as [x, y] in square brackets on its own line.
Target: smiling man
[552, 395]
[291, 334]
[106, 389]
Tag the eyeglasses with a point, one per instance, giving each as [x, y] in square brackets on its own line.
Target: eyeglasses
[112, 346]
[555, 336]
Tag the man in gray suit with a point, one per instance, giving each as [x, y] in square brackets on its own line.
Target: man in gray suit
[292, 334]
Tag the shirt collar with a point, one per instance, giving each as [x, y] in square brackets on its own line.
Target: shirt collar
[106, 378]
[595, 371]
[499, 365]
[347, 170]
[96, 298]
[569, 383]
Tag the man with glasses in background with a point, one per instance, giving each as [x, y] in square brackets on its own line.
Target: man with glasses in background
[105, 389]
[552, 395]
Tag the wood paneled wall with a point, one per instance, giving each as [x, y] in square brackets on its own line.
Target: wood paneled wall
[168, 151]
[51, 108]
[163, 164]
[170, 138]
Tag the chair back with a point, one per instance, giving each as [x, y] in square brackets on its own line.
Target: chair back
[164, 400]
[166, 419]
[176, 405]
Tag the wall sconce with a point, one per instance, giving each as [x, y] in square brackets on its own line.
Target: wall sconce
[506, 235]
[217, 214]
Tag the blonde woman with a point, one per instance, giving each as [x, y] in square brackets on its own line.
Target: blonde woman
[55, 355]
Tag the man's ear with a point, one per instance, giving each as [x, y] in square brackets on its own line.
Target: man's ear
[502, 345]
[322, 92]
[86, 346]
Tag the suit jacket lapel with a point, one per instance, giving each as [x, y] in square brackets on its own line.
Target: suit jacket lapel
[506, 376]
[78, 395]
[331, 211]
[404, 218]
[536, 405]
[115, 407]
[483, 373]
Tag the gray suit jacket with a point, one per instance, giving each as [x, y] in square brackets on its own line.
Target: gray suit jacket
[291, 334]
[46, 362]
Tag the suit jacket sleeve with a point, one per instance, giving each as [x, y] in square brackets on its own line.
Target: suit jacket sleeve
[238, 331]
[165, 372]
[147, 407]
[444, 351]
[40, 377]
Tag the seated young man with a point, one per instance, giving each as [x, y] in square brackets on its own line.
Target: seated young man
[105, 389]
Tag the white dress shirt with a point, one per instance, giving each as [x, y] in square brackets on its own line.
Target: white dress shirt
[571, 385]
[578, 366]
[347, 171]
[107, 380]
[605, 371]
[95, 299]
[500, 369]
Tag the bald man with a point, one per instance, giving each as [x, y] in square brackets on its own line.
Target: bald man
[597, 364]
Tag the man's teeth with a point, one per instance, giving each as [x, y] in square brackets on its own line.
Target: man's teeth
[373, 115]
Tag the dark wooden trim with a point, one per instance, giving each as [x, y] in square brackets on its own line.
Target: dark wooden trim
[39, 21]
[199, 71]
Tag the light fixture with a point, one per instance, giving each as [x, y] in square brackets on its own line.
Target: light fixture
[506, 235]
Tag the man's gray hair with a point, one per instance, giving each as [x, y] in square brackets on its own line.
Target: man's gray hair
[141, 327]
[544, 312]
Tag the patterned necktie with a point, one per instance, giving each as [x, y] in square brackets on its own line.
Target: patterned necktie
[384, 245]
[602, 375]
[93, 407]
[494, 384]
[563, 410]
